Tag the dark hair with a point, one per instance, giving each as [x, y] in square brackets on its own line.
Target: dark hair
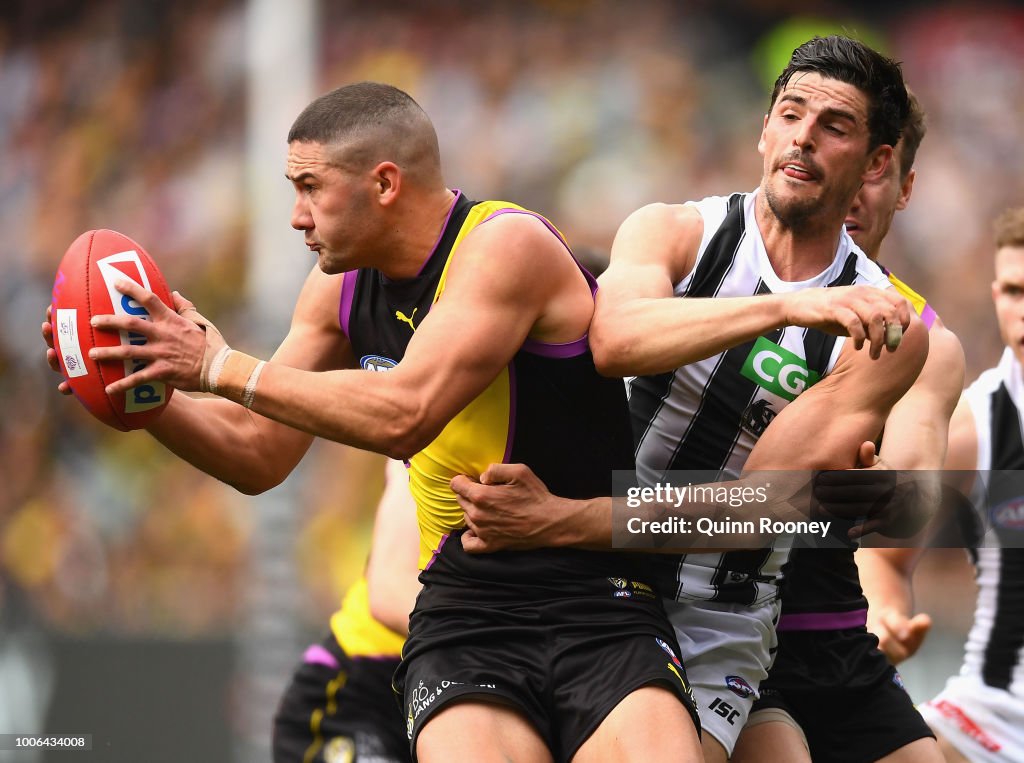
[914, 129]
[1009, 228]
[854, 63]
[359, 110]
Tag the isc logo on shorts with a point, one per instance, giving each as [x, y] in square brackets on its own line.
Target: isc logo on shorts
[777, 370]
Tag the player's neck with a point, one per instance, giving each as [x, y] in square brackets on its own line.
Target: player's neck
[413, 240]
[798, 255]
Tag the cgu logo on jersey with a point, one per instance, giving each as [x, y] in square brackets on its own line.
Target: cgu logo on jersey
[1010, 515]
[112, 268]
[777, 370]
[376, 363]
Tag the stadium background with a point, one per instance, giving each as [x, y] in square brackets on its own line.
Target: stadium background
[151, 606]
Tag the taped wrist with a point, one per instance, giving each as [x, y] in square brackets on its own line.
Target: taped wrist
[233, 375]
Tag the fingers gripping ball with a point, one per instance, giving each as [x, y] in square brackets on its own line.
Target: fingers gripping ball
[84, 287]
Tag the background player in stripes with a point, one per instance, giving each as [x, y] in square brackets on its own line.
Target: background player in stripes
[979, 715]
[830, 688]
[835, 114]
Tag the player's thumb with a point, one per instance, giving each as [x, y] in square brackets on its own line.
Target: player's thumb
[866, 454]
[180, 303]
[499, 474]
[461, 484]
[472, 544]
[917, 628]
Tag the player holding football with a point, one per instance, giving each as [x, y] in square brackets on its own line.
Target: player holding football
[478, 315]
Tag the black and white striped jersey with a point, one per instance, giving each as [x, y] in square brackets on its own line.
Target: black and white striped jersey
[708, 415]
[995, 644]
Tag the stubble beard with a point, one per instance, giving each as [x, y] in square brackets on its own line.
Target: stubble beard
[796, 215]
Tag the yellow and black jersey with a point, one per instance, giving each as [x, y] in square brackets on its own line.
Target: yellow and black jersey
[356, 630]
[548, 408]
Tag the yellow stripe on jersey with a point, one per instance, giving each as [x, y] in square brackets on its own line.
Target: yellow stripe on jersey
[919, 303]
[476, 438]
[356, 630]
[909, 294]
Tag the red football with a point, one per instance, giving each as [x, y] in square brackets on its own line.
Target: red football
[84, 287]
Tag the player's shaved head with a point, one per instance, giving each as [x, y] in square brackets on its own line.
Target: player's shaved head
[367, 123]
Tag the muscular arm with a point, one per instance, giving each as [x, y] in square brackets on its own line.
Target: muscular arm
[249, 451]
[392, 571]
[822, 428]
[640, 329]
[510, 279]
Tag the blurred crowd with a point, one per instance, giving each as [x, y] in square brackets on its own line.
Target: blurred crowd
[132, 116]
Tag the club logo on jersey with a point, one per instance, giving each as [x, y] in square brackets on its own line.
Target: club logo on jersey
[738, 686]
[628, 589]
[1010, 514]
[340, 750]
[376, 363]
[757, 417]
[777, 370]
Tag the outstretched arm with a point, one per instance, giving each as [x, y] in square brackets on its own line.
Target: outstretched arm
[916, 437]
[822, 429]
[240, 447]
[638, 329]
[511, 278]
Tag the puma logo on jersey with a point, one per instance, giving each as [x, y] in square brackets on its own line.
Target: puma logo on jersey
[407, 319]
[778, 370]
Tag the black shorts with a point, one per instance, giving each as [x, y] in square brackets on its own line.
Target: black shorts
[847, 698]
[564, 652]
[340, 708]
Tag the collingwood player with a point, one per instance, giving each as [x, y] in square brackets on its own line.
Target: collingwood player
[731, 315]
[979, 715]
[831, 695]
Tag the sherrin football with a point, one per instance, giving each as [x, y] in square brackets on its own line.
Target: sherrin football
[84, 287]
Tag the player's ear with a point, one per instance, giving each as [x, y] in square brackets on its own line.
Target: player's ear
[906, 189]
[878, 164]
[760, 142]
[387, 178]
